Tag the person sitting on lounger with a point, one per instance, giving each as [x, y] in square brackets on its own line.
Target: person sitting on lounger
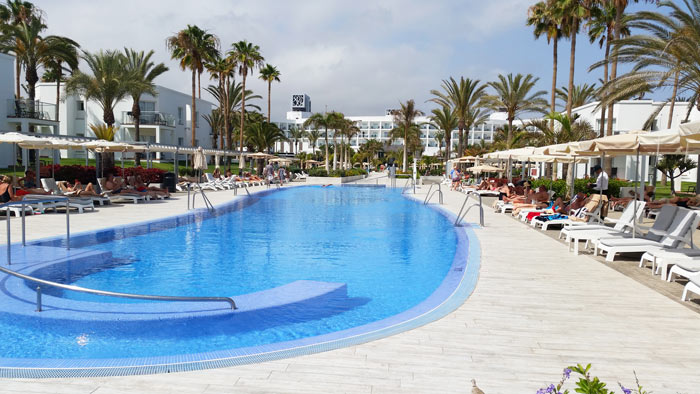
[537, 200]
[6, 192]
[27, 186]
[133, 185]
[115, 186]
[623, 201]
[140, 185]
[77, 188]
[456, 178]
[484, 185]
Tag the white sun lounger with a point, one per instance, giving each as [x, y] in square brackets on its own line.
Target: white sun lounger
[661, 259]
[593, 232]
[680, 231]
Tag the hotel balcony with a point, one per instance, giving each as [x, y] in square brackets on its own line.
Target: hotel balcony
[30, 109]
[150, 118]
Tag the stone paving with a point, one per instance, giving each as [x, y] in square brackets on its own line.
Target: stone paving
[536, 309]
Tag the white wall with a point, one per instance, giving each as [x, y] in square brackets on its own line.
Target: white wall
[7, 83]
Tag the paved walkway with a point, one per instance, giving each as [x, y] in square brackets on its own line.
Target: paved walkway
[535, 310]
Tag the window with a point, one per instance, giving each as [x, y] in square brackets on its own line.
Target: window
[180, 141]
[81, 105]
[147, 106]
[180, 117]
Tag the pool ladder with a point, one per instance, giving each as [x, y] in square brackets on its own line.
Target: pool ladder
[429, 196]
[193, 195]
[460, 215]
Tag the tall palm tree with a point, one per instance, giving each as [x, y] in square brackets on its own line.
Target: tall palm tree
[192, 47]
[296, 134]
[269, 74]
[572, 13]
[665, 52]
[108, 84]
[326, 120]
[348, 129]
[515, 95]
[230, 99]
[439, 137]
[461, 96]
[54, 69]
[222, 69]
[13, 13]
[246, 56]
[34, 50]
[405, 126]
[544, 17]
[581, 95]
[144, 72]
[444, 119]
[263, 135]
[215, 121]
[313, 135]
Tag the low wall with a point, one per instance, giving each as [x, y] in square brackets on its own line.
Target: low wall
[327, 180]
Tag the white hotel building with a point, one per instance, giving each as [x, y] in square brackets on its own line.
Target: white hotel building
[628, 115]
[165, 118]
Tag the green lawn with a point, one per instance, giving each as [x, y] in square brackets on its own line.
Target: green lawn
[665, 191]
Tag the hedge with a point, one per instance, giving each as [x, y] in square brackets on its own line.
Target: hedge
[321, 172]
[580, 185]
[86, 174]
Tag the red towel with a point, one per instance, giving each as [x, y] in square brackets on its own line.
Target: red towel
[531, 215]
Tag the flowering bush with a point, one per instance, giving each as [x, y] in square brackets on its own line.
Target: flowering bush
[86, 174]
[586, 384]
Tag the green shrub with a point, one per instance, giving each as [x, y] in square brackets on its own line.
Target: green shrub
[318, 172]
[580, 185]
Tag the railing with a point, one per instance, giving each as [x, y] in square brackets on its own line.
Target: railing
[23, 204]
[150, 118]
[30, 109]
[406, 186]
[461, 216]
[228, 300]
[430, 196]
[199, 190]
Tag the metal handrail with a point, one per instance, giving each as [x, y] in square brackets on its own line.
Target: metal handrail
[406, 186]
[429, 196]
[228, 300]
[207, 203]
[23, 203]
[461, 216]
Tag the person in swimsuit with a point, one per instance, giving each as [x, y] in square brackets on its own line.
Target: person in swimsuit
[6, 192]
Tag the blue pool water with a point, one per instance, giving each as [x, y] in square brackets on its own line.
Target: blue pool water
[390, 251]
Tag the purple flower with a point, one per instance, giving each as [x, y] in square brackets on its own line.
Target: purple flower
[624, 389]
[567, 372]
[541, 391]
[552, 389]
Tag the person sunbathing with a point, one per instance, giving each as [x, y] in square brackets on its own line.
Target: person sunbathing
[115, 186]
[484, 185]
[140, 185]
[623, 201]
[538, 200]
[675, 200]
[133, 185]
[27, 186]
[77, 189]
[7, 193]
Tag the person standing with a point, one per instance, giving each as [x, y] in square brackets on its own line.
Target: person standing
[281, 173]
[269, 174]
[601, 187]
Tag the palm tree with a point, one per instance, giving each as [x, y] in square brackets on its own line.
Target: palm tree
[571, 14]
[348, 129]
[13, 13]
[601, 25]
[405, 127]
[54, 68]
[192, 47]
[246, 56]
[326, 120]
[34, 50]
[444, 119]
[544, 16]
[666, 52]
[269, 74]
[222, 69]
[109, 83]
[143, 71]
[582, 95]
[263, 136]
[516, 96]
[230, 98]
[461, 96]
[296, 134]
[313, 135]
[439, 137]
[215, 121]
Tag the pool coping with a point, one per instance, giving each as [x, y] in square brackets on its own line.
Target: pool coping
[453, 291]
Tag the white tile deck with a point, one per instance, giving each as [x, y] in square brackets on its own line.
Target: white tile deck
[535, 310]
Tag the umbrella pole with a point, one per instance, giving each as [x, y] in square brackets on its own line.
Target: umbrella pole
[697, 178]
[638, 184]
[14, 159]
[175, 164]
[37, 166]
[600, 191]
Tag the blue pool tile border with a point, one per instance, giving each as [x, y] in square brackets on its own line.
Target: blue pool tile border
[455, 289]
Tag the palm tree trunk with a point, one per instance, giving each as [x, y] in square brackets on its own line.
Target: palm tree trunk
[18, 71]
[58, 90]
[405, 148]
[269, 91]
[241, 160]
[510, 132]
[194, 108]
[326, 159]
[136, 114]
[555, 66]
[673, 101]
[199, 84]
[460, 145]
[619, 9]
[605, 79]
[448, 141]
[335, 151]
[572, 63]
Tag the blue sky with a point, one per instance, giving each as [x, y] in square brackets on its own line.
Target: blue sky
[357, 57]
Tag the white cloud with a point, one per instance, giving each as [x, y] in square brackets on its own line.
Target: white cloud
[356, 57]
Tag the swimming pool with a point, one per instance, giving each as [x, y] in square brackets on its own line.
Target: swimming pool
[307, 266]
